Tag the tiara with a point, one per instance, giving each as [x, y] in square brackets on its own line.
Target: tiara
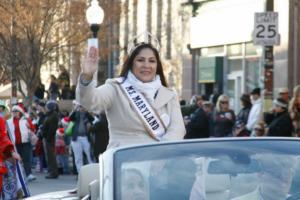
[142, 38]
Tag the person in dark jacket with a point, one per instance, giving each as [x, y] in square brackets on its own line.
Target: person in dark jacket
[223, 118]
[53, 90]
[66, 92]
[40, 91]
[63, 77]
[198, 126]
[281, 125]
[242, 117]
[39, 149]
[50, 126]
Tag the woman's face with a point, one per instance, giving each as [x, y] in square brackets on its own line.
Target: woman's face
[224, 104]
[145, 65]
[16, 114]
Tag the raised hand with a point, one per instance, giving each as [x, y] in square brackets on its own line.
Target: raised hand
[90, 63]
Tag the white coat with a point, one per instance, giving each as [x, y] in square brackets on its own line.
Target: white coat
[25, 131]
[255, 114]
[125, 127]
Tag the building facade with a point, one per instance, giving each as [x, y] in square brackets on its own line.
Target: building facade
[225, 60]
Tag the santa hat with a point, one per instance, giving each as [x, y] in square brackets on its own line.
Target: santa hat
[65, 121]
[18, 109]
[22, 106]
[60, 132]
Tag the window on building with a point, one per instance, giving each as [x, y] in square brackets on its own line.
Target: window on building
[252, 78]
[235, 50]
[252, 50]
[209, 51]
[235, 65]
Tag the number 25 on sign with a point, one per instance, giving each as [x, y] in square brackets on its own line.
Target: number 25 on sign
[266, 29]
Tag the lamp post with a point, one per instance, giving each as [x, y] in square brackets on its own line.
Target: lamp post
[94, 16]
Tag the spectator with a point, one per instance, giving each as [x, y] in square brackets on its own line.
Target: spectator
[80, 141]
[50, 126]
[207, 107]
[60, 150]
[223, 118]
[294, 110]
[284, 94]
[242, 117]
[64, 122]
[4, 111]
[39, 149]
[73, 91]
[186, 110]
[182, 102]
[39, 91]
[66, 92]
[7, 154]
[198, 125]
[21, 129]
[214, 98]
[256, 110]
[281, 125]
[53, 88]
[63, 77]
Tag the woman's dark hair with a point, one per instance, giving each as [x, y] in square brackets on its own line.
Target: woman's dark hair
[246, 101]
[128, 64]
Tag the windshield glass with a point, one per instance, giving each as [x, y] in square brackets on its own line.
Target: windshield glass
[209, 170]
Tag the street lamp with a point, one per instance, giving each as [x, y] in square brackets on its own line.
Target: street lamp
[94, 16]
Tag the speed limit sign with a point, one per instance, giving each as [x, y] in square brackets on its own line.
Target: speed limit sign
[266, 29]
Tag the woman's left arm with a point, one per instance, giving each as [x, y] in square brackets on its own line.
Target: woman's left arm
[176, 128]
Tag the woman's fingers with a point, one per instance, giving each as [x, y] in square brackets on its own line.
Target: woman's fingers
[90, 61]
[93, 53]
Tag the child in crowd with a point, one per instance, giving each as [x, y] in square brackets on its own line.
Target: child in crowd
[60, 150]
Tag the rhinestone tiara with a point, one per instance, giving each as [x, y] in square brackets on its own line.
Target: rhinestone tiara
[142, 38]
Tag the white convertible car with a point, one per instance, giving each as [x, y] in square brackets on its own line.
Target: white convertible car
[210, 169]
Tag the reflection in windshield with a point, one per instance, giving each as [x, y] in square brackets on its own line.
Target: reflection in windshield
[211, 175]
[133, 185]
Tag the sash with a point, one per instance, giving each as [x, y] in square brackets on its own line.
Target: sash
[21, 181]
[151, 120]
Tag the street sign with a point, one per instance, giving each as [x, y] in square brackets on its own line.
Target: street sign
[266, 29]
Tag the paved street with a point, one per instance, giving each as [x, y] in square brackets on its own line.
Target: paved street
[42, 185]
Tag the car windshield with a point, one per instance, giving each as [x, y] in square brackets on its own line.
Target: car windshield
[211, 170]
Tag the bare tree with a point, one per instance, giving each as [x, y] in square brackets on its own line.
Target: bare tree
[32, 32]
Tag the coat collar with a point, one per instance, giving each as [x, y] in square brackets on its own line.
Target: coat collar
[164, 95]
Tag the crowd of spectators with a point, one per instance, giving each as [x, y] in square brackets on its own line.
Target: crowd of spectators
[215, 118]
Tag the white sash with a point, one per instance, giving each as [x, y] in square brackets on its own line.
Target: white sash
[147, 114]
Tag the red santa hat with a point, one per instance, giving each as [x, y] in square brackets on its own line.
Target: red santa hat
[65, 120]
[60, 132]
[18, 109]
